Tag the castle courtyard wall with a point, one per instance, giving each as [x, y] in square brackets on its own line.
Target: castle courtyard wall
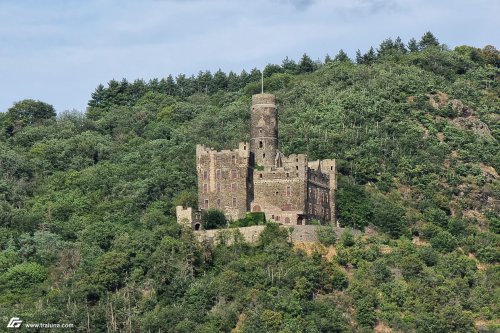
[298, 234]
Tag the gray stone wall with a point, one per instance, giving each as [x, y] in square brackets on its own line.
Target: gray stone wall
[223, 180]
[264, 129]
[298, 234]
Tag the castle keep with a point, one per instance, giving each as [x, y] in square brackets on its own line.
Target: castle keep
[257, 177]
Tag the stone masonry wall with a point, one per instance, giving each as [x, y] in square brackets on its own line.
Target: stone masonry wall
[299, 233]
[223, 180]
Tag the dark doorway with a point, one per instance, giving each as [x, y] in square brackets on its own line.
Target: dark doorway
[300, 220]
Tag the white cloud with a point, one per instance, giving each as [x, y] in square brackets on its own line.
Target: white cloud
[59, 51]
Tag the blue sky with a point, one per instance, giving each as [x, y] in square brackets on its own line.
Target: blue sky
[58, 51]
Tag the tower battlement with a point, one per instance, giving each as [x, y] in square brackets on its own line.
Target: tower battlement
[263, 99]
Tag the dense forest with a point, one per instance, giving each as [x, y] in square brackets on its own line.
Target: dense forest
[87, 224]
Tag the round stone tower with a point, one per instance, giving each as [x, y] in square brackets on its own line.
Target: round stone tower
[264, 129]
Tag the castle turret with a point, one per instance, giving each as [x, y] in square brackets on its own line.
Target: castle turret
[264, 129]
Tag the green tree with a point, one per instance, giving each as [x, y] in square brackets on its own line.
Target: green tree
[444, 241]
[27, 112]
[23, 276]
[342, 57]
[428, 40]
[413, 45]
[389, 216]
[214, 219]
[111, 270]
[306, 64]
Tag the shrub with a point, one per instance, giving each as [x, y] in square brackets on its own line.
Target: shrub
[214, 219]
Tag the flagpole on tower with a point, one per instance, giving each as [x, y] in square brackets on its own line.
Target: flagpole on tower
[262, 81]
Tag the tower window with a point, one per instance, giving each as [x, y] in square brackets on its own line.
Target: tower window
[217, 174]
[260, 130]
[264, 155]
[234, 174]
[205, 175]
[233, 159]
[205, 188]
[218, 187]
[234, 202]
[297, 167]
[218, 203]
[206, 203]
[260, 175]
[261, 144]
[234, 187]
[288, 191]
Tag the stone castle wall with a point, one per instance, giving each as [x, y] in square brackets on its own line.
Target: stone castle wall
[224, 180]
[299, 234]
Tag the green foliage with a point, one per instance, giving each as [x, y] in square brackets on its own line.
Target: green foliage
[354, 208]
[273, 233]
[327, 235]
[444, 241]
[213, 219]
[111, 269]
[87, 200]
[22, 277]
[389, 216]
[347, 238]
[27, 112]
[251, 218]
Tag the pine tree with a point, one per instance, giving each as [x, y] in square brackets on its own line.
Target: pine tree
[342, 57]
[428, 40]
[306, 65]
[413, 45]
[359, 57]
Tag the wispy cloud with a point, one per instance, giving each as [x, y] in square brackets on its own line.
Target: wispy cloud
[299, 4]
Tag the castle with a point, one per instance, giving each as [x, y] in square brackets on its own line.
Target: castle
[257, 177]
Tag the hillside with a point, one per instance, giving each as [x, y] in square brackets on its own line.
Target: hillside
[87, 224]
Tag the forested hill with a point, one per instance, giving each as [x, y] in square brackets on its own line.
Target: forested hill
[88, 233]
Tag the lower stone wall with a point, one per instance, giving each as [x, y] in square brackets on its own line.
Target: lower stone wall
[298, 234]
